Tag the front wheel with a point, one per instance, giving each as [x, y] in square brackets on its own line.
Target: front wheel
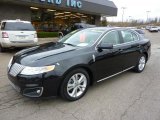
[75, 85]
[141, 64]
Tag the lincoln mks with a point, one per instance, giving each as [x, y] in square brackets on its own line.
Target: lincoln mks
[78, 60]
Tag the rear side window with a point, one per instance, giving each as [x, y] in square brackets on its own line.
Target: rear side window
[17, 26]
[128, 36]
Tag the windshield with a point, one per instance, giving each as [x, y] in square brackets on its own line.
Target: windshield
[17, 26]
[82, 38]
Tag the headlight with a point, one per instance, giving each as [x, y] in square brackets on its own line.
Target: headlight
[37, 70]
[10, 63]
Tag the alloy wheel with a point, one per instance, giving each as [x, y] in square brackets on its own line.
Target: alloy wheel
[77, 85]
[142, 63]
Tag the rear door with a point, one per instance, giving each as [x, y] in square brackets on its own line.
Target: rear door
[131, 48]
[21, 36]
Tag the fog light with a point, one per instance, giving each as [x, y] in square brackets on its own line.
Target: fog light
[38, 91]
[33, 92]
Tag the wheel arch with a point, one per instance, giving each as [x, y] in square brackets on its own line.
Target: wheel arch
[60, 33]
[146, 54]
[81, 66]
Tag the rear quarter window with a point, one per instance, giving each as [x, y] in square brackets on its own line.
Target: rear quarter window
[3, 25]
[139, 31]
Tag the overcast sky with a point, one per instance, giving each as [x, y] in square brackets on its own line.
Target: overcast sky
[137, 9]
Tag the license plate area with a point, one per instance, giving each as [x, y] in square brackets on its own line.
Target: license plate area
[21, 37]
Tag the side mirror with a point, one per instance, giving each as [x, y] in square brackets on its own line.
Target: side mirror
[105, 46]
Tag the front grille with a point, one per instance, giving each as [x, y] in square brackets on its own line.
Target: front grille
[16, 69]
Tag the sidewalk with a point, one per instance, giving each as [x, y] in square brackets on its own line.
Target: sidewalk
[46, 40]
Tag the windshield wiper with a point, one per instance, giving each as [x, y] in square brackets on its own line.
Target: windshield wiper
[70, 44]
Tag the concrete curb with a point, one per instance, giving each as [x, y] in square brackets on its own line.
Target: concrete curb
[46, 40]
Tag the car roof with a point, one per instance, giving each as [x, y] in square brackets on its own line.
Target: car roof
[137, 29]
[105, 29]
[18, 20]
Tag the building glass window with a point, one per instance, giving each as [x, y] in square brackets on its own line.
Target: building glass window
[44, 20]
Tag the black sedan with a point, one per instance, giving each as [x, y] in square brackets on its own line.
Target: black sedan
[80, 59]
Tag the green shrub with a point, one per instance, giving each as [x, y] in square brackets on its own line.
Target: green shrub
[47, 34]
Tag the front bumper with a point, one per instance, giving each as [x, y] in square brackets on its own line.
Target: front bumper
[36, 86]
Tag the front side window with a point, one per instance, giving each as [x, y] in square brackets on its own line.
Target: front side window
[111, 38]
[128, 36]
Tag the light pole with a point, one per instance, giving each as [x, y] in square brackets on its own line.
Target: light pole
[130, 17]
[148, 15]
[123, 8]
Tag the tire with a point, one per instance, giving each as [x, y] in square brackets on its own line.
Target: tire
[1, 49]
[73, 90]
[60, 36]
[141, 63]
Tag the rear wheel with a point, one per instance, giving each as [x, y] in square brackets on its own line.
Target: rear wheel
[141, 64]
[75, 85]
[60, 36]
[1, 49]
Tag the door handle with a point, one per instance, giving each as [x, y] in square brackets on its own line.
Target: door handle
[139, 46]
[120, 50]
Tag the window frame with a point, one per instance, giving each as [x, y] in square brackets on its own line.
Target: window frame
[120, 37]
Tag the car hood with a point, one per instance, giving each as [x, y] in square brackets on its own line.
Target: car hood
[38, 56]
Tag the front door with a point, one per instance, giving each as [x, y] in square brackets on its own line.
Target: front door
[109, 61]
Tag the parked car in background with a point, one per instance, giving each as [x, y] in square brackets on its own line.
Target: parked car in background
[78, 60]
[141, 32]
[153, 29]
[17, 33]
[147, 27]
[76, 26]
[158, 28]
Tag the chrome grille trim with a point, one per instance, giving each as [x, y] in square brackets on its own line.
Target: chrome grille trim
[16, 69]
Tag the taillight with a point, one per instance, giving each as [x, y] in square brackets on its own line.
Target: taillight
[35, 35]
[5, 35]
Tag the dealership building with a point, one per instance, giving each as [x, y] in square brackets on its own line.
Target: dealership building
[49, 15]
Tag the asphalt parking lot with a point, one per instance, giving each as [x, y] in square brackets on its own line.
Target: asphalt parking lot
[129, 96]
